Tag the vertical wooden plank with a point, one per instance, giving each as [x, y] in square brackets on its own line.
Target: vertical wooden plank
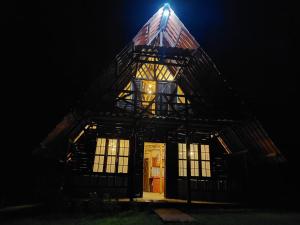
[131, 165]
[160, 169]
[171, 169]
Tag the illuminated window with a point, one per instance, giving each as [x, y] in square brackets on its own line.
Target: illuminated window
[194, 160]
[153, 71]
[148, 96]
[123, 156]
[149, 73]
[107, 153]
[111, 155]
[205, 161]
[182, 162]
[99, 155]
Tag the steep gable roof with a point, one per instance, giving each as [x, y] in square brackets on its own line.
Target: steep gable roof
[166, 38]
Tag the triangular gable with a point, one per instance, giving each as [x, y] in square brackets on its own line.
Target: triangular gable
[148, 76]
[165, 29]
[153, 56]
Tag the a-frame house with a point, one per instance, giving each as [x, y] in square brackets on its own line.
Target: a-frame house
[161, 119]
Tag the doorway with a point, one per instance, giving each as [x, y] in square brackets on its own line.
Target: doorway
[154, 170]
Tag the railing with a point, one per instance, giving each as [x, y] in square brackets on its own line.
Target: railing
[161, 104]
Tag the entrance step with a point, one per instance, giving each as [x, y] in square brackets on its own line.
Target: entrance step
[173, 215]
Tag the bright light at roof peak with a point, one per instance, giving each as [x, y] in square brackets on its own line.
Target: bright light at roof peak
[166, 12]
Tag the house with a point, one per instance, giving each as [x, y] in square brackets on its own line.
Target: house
[161, 119]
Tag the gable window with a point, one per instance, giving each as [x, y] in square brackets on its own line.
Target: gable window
[194, 159]
[205, 161]
[111, 156]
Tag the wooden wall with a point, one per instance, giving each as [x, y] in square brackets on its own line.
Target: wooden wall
[81, 180]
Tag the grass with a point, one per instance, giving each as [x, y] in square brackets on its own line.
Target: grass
[147, 217]
[248, 218]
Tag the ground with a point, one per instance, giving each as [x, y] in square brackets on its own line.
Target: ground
[146, 216]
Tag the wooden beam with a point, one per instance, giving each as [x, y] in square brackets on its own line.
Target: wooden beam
[188, 167]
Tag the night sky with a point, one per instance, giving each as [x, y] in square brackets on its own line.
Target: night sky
[53, 50]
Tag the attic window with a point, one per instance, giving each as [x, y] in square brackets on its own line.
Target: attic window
[111, 156]
[151, 71]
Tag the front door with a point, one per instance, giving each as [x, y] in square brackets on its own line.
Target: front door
[154, 168]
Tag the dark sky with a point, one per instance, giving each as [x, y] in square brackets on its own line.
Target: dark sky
[54, 49]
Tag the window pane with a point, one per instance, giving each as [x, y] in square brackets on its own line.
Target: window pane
[126, 143]
[179, 151]
[121, 151]
[112, 147]
[100, 148]
[184, 151]
[100, 168]
[123, 164]
[110, 169]
[102, 160]
[95, 167]
[207, 156]
[98, 164]
[121, 143]
[96, 159]
[123, 156]
[126, 151]
[120, 161]
[182, 168]
[111, 161]
[194, 151]
[203, 166]
[196, 170]
[120, 169]
[99, 160]
[97, 150]
[125, 161]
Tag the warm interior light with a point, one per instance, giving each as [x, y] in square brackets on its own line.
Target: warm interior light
[149, 89]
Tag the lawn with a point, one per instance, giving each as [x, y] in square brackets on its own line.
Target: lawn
[148, 217]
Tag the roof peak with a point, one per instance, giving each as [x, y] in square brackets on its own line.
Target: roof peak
[165, 29]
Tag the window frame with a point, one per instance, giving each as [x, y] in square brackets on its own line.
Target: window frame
[117, 156]
[205, 161]
[195, 163]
